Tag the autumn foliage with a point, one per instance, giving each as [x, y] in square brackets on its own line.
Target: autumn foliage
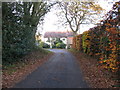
[103, 40]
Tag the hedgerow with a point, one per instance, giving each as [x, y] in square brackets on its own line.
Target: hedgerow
[103, 40]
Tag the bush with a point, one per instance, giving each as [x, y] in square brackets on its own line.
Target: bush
[53, 46]
[60, 45]
[44, 45]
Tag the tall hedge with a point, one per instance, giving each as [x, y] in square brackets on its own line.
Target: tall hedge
[103, 40]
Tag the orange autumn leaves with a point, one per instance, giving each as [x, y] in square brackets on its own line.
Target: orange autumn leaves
[112, 30]
[77, 42]
[103, 40]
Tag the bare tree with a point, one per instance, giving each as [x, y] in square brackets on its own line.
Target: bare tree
[77, 13]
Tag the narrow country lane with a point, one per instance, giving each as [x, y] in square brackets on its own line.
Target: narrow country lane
[60, 71]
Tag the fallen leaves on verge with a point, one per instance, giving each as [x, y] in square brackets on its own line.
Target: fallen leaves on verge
[93, 75]
[32, 61]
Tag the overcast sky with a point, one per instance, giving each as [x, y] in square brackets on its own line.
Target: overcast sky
[51, 19]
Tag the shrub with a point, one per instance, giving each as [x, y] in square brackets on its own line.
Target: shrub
[44, 45]
[60, 45]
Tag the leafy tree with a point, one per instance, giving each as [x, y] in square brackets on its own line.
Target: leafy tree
[19, 25]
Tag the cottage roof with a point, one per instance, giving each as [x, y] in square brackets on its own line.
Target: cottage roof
[58, 34]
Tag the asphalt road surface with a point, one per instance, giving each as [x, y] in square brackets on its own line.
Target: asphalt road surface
[60, 71]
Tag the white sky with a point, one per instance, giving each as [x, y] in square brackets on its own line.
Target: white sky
[51, 19]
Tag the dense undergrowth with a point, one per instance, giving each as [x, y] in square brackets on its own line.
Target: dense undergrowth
[37, 53]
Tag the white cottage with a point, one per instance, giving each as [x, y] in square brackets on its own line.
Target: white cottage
[66, 37]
